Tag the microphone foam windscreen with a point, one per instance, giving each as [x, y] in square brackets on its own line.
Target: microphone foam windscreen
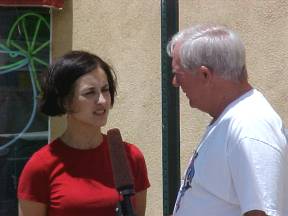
[119, 161]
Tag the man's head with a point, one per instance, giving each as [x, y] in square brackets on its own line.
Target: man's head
[203, 57]
[216, 47]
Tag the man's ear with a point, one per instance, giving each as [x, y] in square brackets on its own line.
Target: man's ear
[206, 73]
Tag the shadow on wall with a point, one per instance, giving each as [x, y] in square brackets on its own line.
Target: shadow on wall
[62, 42]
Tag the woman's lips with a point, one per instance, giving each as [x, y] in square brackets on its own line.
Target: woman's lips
[99, 112]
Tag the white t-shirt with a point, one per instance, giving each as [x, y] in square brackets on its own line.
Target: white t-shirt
[241, 164]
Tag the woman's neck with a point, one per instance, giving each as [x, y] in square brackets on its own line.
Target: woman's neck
[82, 138]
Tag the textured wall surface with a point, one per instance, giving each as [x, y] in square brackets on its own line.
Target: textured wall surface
[62, 26]
[127, 34]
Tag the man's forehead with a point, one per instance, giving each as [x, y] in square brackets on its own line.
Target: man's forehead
[176, 48]
[176, 63]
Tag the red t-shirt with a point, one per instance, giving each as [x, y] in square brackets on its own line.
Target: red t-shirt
[73, 182]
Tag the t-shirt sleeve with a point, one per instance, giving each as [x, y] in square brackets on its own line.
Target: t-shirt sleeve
[33, 181]
[257, 169]
[139, 169]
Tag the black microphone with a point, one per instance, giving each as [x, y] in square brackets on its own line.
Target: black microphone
[121, 172]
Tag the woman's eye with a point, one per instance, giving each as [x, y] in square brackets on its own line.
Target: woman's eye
[89, 93]
[105, 90]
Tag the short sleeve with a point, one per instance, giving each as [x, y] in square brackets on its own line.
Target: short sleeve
[257, 169]
[139, 169]
[33, 182]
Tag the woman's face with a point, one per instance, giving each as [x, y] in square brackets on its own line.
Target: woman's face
[91, 100]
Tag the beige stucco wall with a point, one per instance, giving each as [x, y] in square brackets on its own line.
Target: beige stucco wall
[126, 33]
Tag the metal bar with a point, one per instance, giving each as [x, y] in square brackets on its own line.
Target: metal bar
[170, 110]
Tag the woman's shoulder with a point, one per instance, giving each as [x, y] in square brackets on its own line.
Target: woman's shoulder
[44, 155]
[138, 166]
[132, 150]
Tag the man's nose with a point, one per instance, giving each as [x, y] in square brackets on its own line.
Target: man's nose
[174, 81]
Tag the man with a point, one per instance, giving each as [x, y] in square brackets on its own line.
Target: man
[240, 165]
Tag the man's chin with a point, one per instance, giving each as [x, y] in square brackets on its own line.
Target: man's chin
[191, 104]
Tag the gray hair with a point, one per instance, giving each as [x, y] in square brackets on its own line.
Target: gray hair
[216, 47]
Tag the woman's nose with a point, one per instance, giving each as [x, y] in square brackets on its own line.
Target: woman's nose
[101, 99]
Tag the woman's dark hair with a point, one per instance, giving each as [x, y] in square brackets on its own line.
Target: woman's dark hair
[59, 81]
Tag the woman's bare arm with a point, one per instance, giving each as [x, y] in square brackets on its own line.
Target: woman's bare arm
[31, 208]
[141, 203]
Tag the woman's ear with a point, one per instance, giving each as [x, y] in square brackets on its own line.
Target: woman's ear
[66, 104]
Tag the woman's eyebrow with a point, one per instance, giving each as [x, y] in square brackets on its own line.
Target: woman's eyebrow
[88, 88]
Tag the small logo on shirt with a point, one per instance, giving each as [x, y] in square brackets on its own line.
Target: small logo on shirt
[187, 181]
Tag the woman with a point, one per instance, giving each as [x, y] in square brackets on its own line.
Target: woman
[72, 175]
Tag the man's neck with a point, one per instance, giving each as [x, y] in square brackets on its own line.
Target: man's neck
[227, 93]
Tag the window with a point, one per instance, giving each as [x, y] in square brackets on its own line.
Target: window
[24, 54]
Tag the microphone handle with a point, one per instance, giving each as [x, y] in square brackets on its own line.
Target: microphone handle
[126, 205]
[118, 209]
